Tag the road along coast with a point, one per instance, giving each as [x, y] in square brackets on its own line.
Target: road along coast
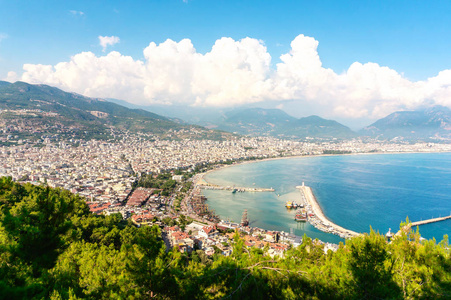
[318, 219]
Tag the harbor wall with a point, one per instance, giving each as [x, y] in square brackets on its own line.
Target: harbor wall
[319, 220]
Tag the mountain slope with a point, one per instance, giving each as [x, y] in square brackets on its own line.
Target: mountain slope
[431, 123]
[277, 123]
[52, 110]
[254, 121]
[4, 83]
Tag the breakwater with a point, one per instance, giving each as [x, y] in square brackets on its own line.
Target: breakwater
[418, 223]
[407, 227]
[234, 188]
[203, 184]
[317, 218]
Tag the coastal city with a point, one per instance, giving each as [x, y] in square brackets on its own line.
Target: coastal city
[108, 174]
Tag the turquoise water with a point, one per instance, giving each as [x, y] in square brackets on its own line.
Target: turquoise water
[354, 191]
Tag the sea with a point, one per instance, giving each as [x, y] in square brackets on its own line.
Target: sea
[357, 192]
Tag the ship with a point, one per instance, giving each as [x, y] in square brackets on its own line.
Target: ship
[244, 219]
[301, 215]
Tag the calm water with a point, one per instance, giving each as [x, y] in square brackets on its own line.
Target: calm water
[355, 192]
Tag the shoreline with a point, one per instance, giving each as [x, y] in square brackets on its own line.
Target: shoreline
[314, 203]
[202, 175]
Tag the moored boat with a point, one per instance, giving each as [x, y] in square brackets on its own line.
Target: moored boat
[301, 215]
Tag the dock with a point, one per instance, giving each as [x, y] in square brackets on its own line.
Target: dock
[317, 217]
[203, 184]
[210, 186]
[418, 223]
[407, 227]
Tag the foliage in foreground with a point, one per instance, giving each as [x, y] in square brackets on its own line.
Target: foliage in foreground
[52, 247]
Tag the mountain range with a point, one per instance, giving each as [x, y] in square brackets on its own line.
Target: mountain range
[45, 109]
[277, 123]
[432, 123]
[252, 121]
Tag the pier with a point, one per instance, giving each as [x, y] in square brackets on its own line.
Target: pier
[418, 223]
[210, 186]
[407, 227]
[318, 219]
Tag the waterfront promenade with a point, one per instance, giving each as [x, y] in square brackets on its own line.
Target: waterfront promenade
[317, 217]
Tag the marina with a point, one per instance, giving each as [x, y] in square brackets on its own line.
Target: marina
[317, 218]
[356, 192]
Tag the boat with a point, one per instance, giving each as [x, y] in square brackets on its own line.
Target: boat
[244, 219]
[301, 215]
[234, 191]
[289, 204]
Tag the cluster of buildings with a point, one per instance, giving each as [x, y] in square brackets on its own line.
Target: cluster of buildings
[219, 238]
[105, 173]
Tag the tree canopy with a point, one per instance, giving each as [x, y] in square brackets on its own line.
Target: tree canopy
[52, 247]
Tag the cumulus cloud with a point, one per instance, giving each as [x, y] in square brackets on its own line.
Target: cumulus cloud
[106, 41]
[239, 72]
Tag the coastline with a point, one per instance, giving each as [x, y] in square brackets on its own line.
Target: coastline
[262, 160]
[324, 224]
[202, 175]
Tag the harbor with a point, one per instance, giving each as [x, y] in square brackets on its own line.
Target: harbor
[317, 218]
[332, 193]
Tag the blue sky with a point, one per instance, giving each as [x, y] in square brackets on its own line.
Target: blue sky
[412, 38]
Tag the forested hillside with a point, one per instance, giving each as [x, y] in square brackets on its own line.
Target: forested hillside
[52, 247]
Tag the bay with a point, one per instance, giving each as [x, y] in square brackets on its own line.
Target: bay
[354, 191]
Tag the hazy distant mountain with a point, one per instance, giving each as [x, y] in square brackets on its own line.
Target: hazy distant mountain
[277, 123]
[251, 121]
[431, 123]
[60, 112]
[3, 83]
[203, 116]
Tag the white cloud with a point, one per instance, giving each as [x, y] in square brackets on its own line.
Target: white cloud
[238, 72]
[11, 77]
[106, 41]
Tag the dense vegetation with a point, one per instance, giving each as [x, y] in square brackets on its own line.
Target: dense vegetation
[51, 247]
[162, 181]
